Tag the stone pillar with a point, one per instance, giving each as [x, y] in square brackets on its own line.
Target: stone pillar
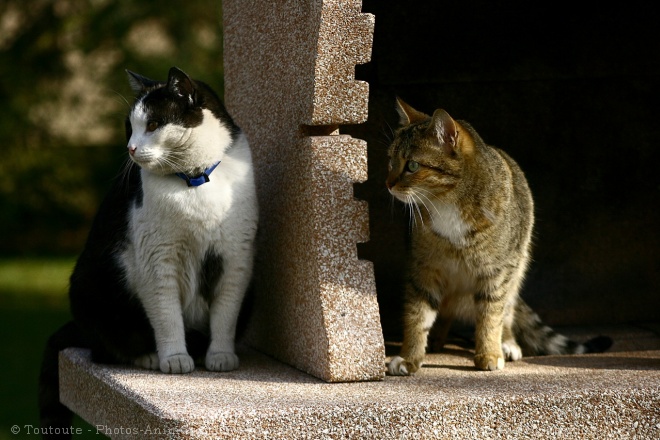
[289, 83]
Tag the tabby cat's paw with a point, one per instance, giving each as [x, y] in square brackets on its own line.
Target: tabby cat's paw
[148, 361]
[223, 361]
[512, 351]
[398, 366]
[177, 363]
[489, 362]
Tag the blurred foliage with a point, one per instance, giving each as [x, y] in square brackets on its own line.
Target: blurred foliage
[64, 98]
[39, 283]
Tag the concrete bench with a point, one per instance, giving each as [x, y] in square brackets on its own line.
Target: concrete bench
[613, 395]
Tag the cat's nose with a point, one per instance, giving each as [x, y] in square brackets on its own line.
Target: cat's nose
[131, 149]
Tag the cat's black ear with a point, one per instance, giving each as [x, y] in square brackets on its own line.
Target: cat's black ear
[140, 84]
[407, 114]
[180, 84]
[444, 127]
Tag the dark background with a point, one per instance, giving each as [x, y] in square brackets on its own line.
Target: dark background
[572, 93]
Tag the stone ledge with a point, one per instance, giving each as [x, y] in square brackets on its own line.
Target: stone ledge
[611, 395]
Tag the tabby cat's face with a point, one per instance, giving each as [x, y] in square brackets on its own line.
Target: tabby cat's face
[421, 169]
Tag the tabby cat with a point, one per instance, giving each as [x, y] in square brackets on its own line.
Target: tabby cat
[470, 247]
[168, 260]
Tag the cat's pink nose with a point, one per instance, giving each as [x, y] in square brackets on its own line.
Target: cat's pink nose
[131, 149]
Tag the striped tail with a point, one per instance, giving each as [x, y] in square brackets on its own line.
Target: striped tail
[537, 339]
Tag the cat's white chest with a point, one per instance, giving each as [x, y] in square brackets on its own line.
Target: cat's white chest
[446, 220]
[174, 206]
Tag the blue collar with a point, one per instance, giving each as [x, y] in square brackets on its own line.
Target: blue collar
[199, 180]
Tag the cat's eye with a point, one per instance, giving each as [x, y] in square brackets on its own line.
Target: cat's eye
[412, 166]
[152, 125]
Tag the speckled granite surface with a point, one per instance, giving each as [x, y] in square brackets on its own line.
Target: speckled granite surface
[289, 81]
[615, 395]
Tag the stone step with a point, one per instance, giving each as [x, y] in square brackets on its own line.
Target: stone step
[610, 395]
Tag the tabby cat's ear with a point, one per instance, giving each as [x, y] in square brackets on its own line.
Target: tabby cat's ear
[444, 128]
[140, 84]
[180, 84]
[407, 114]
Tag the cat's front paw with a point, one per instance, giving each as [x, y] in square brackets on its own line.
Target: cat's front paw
[223, 361]
[177, 363]
[489, 362]
[398, 366]
[149, 361]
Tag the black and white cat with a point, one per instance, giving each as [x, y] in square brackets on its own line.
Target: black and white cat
[169, 256]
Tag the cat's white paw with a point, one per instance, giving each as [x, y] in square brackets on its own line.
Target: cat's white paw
[149, 361]
[397, 367]
[512, 351]
[177, 363]
[223, 361]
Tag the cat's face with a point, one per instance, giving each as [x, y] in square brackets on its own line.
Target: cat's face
[425, 161]
[170, 128]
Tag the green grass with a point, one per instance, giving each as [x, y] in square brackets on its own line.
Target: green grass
[33, 304]
[35, 282]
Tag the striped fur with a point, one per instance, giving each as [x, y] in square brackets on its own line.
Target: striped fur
[472, 216]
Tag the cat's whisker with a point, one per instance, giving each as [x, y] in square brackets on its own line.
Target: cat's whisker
[125, 171]
[413, 206]
[383, 142]
[176, 159]
[408, 209]
[414, 216]
[386, 139]
[420, 195]
[167, 163]
[414, 196]
[391, 134]
[392, 203]
[411, 216]
[427, 192]
[123, 99]
[430, 198]
[419, 212]
[161, 164]
[412, 222]
[413, 209]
